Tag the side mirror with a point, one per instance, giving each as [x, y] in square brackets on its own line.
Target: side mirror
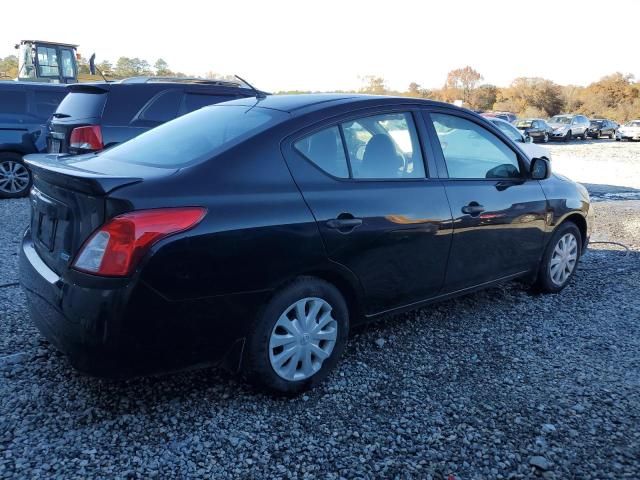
[540, 169]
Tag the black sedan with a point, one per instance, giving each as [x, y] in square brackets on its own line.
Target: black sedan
[257, 232]
[536, 128]
[600, 127]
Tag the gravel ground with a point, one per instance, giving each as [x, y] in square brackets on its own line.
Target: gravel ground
[498, 384]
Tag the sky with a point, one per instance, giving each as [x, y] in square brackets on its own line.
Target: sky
[325, 45]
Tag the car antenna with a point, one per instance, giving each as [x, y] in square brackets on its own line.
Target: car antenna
[93, 67]
[259, 95]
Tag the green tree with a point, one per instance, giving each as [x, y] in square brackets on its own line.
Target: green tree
[162, 68]
[132, 67]
[9, 67]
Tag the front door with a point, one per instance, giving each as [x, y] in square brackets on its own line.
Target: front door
[498, 212]
[379, 215]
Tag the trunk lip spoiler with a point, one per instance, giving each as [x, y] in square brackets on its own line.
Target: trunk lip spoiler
[49, 166]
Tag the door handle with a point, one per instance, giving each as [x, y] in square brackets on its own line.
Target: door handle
[344, 223]
[474, 208]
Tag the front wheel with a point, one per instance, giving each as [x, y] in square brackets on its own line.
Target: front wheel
[545, 139]
[15, 177]
[298, 338]
[560, 259]
[568, 136]
[612, 135]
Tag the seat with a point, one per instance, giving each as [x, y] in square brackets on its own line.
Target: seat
[380, 159]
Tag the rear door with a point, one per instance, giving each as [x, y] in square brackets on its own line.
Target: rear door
[498, 212]
[367, 181]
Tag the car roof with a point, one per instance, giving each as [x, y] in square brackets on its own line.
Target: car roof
[304, 103]
[33, 85]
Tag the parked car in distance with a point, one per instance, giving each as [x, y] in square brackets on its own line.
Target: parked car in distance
[629, 131]
[24, 109]
[258, 232]
[567, 127]
[524, 142]
[536, 128]
[99, 115]
[507, 116]
[600, 127]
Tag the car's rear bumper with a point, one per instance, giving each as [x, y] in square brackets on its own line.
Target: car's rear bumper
[124, 328]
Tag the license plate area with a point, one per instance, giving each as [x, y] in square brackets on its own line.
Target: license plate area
[55, 146]
[47, 231]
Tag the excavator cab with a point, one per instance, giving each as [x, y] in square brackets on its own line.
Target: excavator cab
[41, 61]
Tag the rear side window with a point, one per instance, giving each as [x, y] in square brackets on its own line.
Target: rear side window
[325, 149]
[83, 104]
[194, 101]
[471, 151]
[161, 108]
[46, 103]
[194, 137]
[381, 147]
[13, 102]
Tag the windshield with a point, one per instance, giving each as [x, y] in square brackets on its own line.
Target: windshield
[560, 119]
[633, 123]
[196, 136]
[524, 124]
[596, 123]
[511, 132]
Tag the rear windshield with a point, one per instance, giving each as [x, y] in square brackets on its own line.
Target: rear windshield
[82, 104]
[633, 123]
[196, 136]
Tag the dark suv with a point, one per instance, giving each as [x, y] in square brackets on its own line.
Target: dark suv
[600, 127]
[24, 110]
[98, 115]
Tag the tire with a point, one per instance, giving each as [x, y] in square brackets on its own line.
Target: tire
[545, 139]
[612, 135]
[276, 329]
[15, 177]
[552, 280]
[568, 136]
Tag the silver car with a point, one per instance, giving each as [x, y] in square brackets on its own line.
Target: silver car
[566, 127]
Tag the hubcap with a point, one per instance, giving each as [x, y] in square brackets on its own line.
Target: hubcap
[563, 259]
[302, 339]
[14, 177]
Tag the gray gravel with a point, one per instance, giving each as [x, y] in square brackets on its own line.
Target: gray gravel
[499, 384]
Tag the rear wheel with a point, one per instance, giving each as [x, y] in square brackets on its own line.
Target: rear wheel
[612, 135]
[15, 177]
[298, 338]
[560, 258]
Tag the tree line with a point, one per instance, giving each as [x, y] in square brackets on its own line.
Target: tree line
[615, 96]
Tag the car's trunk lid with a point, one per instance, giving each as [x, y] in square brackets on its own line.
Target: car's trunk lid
[68, 200]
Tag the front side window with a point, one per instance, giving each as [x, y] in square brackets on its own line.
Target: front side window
[47, 62]
[471, 151]
[384, 147]
[326, 151]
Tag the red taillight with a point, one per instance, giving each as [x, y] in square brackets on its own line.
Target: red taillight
[115, 248]
[86, 138]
